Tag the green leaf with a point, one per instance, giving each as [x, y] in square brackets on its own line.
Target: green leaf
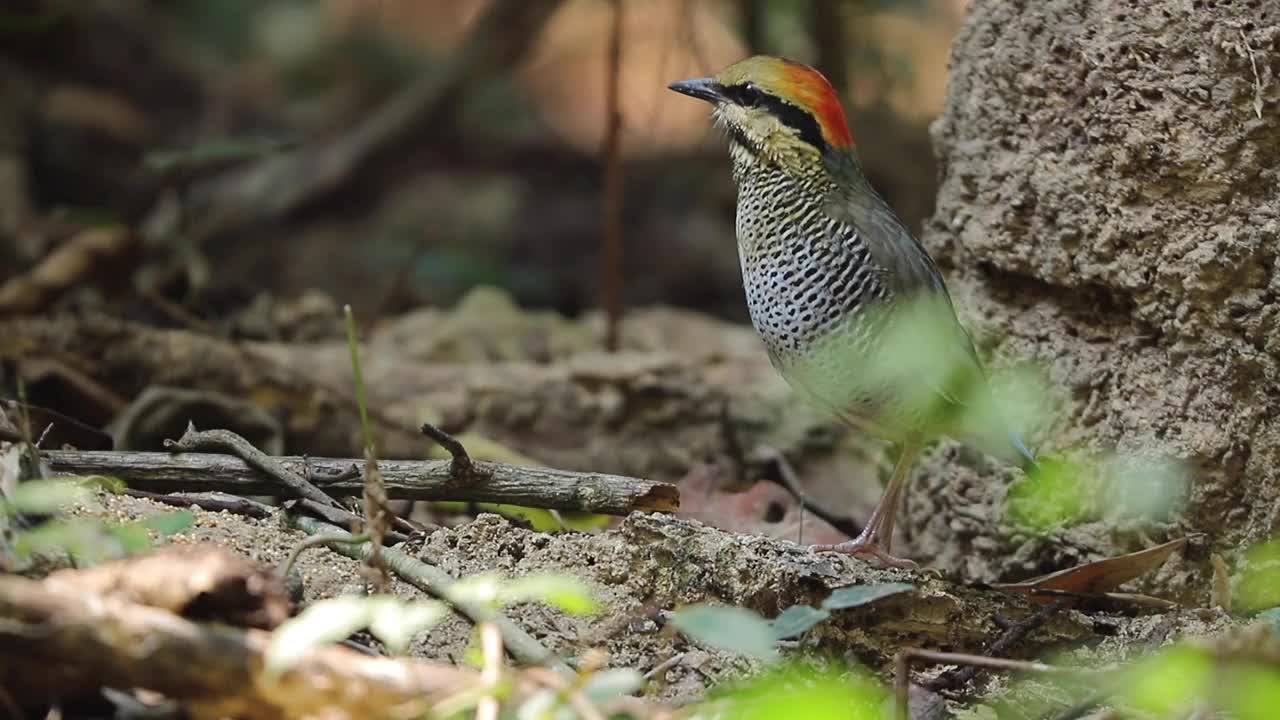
[567, 593]
[1052, 495]
[169, 523]
[735, 629]
[797, 619]
[1168, 683]
[133, 538]
[45, 496]
[74, 537]
[859, 595]
[396, 622]
[322, 623]
[1251, 691]
[482, 589]
[792, 692]
[1259, 585]
[606, 685]
[541, 705]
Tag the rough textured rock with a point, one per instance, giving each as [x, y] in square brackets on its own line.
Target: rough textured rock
[1110, 205]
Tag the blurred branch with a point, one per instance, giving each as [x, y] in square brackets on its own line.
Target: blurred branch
[611, 257]
[829, 37]
[438, 583]
[93, 640]
[753, 22]
[281, 184]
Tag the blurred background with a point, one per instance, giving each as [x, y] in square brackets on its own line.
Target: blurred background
[215, 159]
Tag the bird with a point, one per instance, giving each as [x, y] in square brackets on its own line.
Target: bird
[852, 310]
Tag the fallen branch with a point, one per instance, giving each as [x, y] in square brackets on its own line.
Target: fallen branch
[58, 641]
[280, 184]
[405, 479]
[204, 582]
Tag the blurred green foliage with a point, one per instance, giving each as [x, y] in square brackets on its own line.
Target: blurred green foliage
[1259, 585]
[796, 692]
[86, 540]
[1174, 683]
[737, 630]
[1052, 496]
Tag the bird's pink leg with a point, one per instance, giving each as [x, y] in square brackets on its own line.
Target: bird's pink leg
[873, 542]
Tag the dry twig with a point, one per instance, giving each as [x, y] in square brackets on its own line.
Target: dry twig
[902, 670]
[1012, 634]
[611, 255]
[438, 583]
[211, 501]
[460, 466]
[58, 641]
[224, 440]
[282, 183]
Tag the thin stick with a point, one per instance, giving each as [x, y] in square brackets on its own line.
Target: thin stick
[211, 501]
[374, 494]
[461, 466]
[438, 583]
[354, 345]
[791, 483]
[316, 541]
[611, 256]
[1011, 635]
[491, 672]
[902, 670]
[198, 441]
[665, 665]
[580, 703]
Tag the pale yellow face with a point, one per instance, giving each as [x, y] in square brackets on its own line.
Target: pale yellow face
[778, 111]
[769, 139]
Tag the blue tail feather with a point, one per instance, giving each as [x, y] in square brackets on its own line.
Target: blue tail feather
[1029, 460]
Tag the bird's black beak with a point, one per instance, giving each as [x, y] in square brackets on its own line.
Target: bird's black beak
[702, 88]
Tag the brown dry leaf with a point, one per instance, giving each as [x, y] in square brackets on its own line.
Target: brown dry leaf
[763, 508]
[100, 110]
[1095, 578]
[90, 253]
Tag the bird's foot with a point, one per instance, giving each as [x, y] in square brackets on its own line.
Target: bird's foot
[867, 550]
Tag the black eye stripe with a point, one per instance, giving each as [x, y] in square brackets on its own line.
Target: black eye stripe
[748, 95]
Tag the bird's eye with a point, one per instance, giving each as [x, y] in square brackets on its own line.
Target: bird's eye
[749, 95]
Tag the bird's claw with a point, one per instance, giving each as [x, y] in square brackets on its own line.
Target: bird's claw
[868, 550]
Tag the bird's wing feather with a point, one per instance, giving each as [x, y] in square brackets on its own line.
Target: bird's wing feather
[908, 271]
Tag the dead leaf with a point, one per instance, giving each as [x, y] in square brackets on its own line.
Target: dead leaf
[763, 508]
[93, 252]
[1095, 578]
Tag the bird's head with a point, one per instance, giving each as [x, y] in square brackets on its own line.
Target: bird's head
[774, 109]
